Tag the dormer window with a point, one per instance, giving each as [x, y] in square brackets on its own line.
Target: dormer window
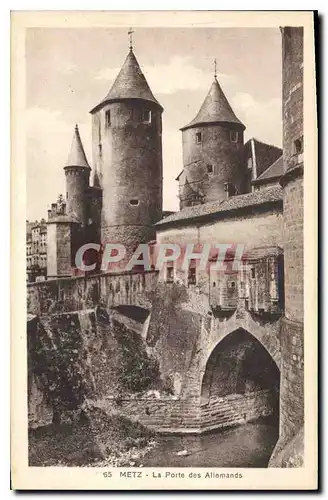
[233, 136]
[198, 137]
[146, 115]
[210, 169]
[107, 115]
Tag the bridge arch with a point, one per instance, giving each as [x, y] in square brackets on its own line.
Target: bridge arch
[268, 334]
[242, 375]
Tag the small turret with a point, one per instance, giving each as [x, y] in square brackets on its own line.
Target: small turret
[77, 171]
[212, 145]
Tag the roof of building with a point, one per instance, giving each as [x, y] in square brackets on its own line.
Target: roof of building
[241, 201]
[251, 253]
[77, 157]
[263, 251]
[262, 154]
[215, 109]
[166, 213]
[130, 83]
[275, 171]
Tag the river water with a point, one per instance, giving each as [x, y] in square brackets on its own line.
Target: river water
[249, 445]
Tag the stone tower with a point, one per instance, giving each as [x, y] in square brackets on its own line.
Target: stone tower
[127, 156]
[212, 150]
[66, 225]
[77, 171]
[292, 338]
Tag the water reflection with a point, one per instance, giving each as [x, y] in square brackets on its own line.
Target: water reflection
[249, 445]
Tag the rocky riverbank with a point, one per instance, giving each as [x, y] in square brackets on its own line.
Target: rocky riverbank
[101, 441]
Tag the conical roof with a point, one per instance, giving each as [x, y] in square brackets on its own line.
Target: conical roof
[215, 109]
[130, 83]
[76, 157]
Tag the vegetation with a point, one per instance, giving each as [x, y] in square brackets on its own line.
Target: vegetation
[98, 439]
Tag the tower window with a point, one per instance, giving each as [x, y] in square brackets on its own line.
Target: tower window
[198, 137]
[210, 169]
[146, 115]
[253, 272]
[231, 284]
[233, 136]
[192, 273]
[108, 122]
[134, 203]
[298, 146]
[169, 272]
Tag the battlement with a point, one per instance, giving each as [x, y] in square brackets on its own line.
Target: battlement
[57, 209]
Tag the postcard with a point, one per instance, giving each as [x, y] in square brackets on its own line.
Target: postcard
[164, 242]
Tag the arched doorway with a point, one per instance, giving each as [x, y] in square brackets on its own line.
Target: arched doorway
[241, 383]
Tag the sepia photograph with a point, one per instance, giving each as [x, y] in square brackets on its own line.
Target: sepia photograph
[164, 249]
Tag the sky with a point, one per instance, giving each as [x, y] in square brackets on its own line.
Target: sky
[70, 70]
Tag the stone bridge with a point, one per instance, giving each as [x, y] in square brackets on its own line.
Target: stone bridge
[216, 370]
[223, 370]
[79, 293]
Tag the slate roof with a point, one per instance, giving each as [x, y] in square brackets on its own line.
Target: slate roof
[166, 213]
[130, 83]
[241, 201]
[263, 251]
[215, 109]
[76, 157]
[275, 171]
[265, 154]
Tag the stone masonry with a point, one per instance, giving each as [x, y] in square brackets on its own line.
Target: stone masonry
[201, 335]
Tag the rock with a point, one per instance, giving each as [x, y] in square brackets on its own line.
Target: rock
[182, 453]
[154, 393]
